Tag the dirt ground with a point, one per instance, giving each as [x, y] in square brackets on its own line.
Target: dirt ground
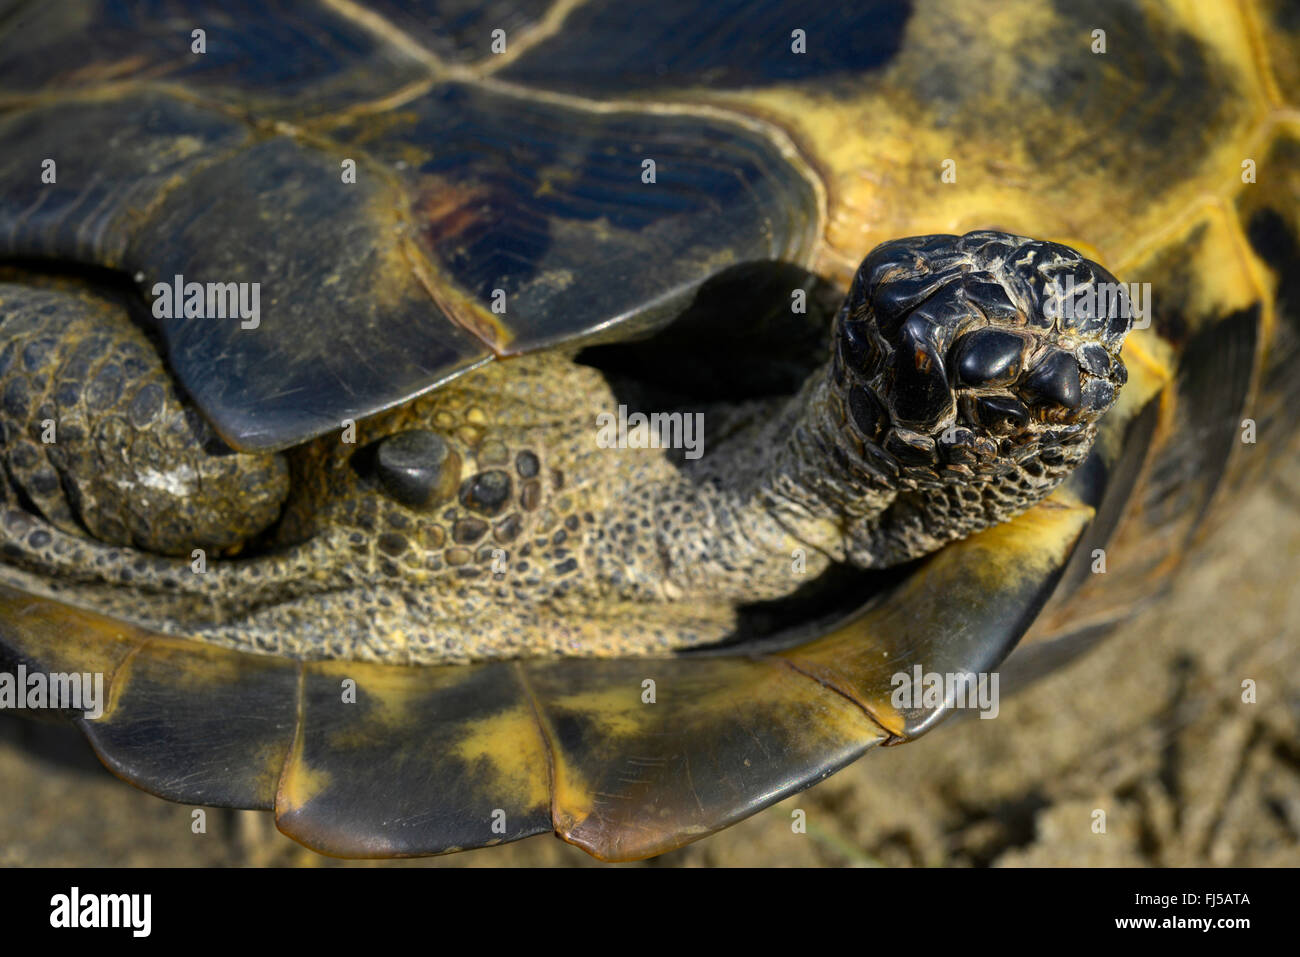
[1149, 728]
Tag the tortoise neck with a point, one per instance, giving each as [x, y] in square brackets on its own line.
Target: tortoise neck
[798, 467]
[820, 459]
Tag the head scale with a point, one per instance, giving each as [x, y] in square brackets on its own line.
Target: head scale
[959, 356]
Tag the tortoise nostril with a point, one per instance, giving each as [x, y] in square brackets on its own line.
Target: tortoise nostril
[1056, 379]
[416, 467]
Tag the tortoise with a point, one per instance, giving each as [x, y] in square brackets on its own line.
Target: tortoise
[320, 328]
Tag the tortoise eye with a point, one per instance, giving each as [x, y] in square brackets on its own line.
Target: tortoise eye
[988, 357]
[417, 467]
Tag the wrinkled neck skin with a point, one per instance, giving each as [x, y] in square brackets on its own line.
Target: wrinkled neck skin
[797, 470]
[789, 491]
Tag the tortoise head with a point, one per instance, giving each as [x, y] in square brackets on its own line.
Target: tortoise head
[959, 355]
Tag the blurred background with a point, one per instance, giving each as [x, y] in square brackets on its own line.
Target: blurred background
[1149, 727]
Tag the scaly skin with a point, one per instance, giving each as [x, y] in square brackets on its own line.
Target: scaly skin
[99, 442]
[484, 521]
